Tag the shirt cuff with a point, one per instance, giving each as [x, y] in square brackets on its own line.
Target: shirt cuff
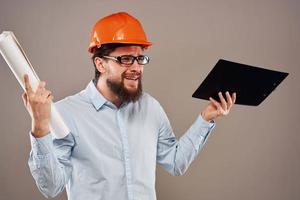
[41, 146]
[199, 131]
[203, 124]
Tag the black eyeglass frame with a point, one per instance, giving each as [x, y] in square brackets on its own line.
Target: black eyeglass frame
[119, 59]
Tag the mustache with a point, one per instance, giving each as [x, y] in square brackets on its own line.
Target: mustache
[133, 75]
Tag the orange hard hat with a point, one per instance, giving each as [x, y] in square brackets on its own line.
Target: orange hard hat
[118, 28]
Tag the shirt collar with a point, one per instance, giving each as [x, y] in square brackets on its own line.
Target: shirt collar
[97, 99]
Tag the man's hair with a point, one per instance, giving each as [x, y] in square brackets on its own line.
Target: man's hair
[105, 50]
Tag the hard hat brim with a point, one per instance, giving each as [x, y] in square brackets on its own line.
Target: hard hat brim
[142, 43]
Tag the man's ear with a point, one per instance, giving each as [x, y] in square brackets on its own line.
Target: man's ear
[100, 65]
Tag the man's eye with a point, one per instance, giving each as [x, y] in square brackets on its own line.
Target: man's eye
[141, 58]
[126, 59]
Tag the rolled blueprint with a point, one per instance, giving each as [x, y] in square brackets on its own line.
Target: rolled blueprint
[19, 64]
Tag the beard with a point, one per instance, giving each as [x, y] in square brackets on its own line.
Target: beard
[125, 95]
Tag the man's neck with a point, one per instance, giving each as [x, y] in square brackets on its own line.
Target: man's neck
[107, 93]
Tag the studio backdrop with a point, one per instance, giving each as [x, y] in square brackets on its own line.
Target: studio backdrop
[253, 153]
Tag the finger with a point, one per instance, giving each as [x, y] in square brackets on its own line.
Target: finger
[41, 88]
[50, 98]
[46, 94]
[218, 106]
[27, 84]
[229, 100]
[223, 102]
[24, 97]
[233, 98]
[215, 103]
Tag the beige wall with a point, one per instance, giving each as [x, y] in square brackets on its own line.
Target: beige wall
[252, 154]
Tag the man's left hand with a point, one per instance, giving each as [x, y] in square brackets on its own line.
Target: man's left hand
[217, 109]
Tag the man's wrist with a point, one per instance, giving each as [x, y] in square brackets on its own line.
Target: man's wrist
[37, 133]
[39, 130]
[205, 117]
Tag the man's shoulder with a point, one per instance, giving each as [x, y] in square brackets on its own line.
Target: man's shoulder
[72, 100]
[149, 99]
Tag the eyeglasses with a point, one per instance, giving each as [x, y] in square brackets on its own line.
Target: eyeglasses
[129, 59]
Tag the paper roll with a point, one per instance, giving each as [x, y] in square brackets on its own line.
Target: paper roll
[19, 64]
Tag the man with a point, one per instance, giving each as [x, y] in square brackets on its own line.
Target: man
[118, 133]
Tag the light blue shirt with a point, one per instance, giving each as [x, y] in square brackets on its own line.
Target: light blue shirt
[111, 153]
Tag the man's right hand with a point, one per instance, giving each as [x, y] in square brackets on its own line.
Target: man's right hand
[38, 104]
